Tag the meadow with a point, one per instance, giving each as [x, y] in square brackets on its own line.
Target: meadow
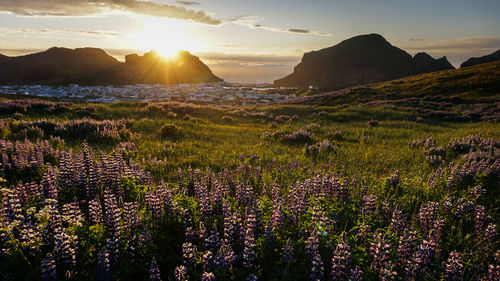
[334, 190]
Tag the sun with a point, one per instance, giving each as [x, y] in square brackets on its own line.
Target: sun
[166, 37]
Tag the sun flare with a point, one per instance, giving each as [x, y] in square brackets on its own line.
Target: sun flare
[166, 37]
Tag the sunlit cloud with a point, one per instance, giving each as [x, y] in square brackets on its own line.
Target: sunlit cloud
[95, 7]
[253, 22]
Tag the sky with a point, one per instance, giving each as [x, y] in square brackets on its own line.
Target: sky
[249, 41]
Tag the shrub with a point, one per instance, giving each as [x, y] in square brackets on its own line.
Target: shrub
[337, 135]
[298, 137]
[170, 131]
[372, 123]
[228, 119]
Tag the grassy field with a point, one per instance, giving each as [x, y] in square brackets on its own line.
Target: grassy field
[367, 182]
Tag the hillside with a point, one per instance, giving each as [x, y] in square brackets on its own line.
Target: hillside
[468, 93]
[93, 66]
[356, 61]
[484, 59]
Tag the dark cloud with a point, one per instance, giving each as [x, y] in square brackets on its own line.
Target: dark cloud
[187, 3]
[462, 43]
[415, 39]
[252, 22]
[86, 8]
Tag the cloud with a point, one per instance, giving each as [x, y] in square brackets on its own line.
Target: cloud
[415, 39]
[45, 30]
[460, 44]
[187, 3]
[86, 8]
[252, 22]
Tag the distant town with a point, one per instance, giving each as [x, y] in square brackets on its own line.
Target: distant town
[207, 93]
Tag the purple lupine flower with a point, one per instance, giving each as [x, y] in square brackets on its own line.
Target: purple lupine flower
[368, 205]
[288, 251]
[493, 273]
[131, 218]
[406, 246]
[421, 259]
[437, 230]
[463, 207]
[191, 235]
[226, 256]
[320, 220]
[477, 192]
[180, 273]
[202, 232]
[278, 217]
[448, 205]
[212, 241]
[388, 272]
[489, 237]
[208, 260]
[356, 274]
[341, 261]
[112, 213]
[72, 214]
[112, 248]
[207, 276]
[153, 204]
[249, 242]
[252, 277]
[11, 207]
[230, 231]
[379, 250]
[154, 271]
[103, 265]
[363, 231]
[317, 268]
[479, 219]
[398, 221]
[312, 246]
[48, 268]
[30, 236]
[65, 247]
[427, 215]
[394, 179]
[453, 267]
[189, 253]
[95, 211]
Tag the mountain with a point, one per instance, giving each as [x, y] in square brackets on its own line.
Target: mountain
[471, 85]
[94, 66]
[425, 63]
[54, 66]
[151, 68]
[359, 60]
[488, 58]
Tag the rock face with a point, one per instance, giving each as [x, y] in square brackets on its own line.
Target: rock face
[356, 61]
[484, 59]
[94, 66]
